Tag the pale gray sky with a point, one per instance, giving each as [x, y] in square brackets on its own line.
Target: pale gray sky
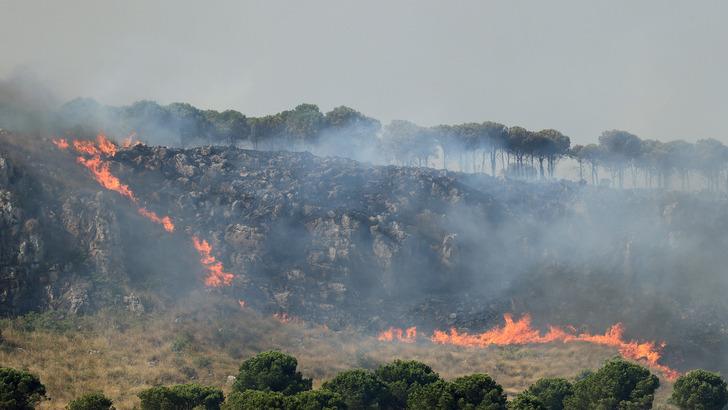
[657, 68]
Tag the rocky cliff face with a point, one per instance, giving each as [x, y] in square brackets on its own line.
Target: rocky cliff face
[345, 243]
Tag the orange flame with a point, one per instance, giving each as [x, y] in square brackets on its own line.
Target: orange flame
[85, 147]
[408, 335]
[61, 143]
[165, 221]
[216, 277]
[285, 318]
[101, 172]
[105, 146]
[129, 141]
[102, 175]
[520, 332]
[241, 303]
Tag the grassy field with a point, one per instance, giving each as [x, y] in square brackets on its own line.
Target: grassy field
[205, 342]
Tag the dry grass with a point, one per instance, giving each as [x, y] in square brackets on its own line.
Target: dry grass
[122, 355]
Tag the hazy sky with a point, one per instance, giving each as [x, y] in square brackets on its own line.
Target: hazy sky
[657, 68]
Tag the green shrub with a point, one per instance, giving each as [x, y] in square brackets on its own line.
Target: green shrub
[91, 401]
[402, 376]
[271, 371]
[617, 385]
[700, 390]
[182, 342]
[19, 390]
[181, 396]
[255, 400]
[552, 392]
[360, 389]
[526, 401]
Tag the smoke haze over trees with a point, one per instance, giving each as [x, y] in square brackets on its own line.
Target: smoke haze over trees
[618, 158]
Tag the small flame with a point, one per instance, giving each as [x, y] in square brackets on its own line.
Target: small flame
[241, 303]
[61, 143]
[106, 147]
[86, 147]
[216, 276]
[408, 335]
[165, 221]
[285, 318]
[102, 175]
[129, 141]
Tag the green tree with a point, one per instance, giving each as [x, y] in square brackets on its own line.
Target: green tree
[552, 392]
[255, 400]
[526, 401]
[181, 397]
[700, 390]
[435, 396]
[621, 149]
[478, 391]
[618, 385]
[91, 401]
[408, 143]
[19, 390]
[271, 371]
[402, 376]
[189, 122]
[360, 389]
[316, 400]
[304, 123]
[228, 126]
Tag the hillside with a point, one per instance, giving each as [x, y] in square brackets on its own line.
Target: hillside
[355, 246]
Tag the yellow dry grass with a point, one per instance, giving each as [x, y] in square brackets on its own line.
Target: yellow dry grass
[122, 354]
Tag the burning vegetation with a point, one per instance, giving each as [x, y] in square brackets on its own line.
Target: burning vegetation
[520, 332]
[100, 169]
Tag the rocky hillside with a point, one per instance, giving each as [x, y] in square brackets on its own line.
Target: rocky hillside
[348, 244]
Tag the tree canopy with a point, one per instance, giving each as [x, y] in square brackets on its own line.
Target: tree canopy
[271, 371]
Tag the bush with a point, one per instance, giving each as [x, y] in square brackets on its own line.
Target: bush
[403, 376]
[617, 385]
[19, 390]
[181, 396]
[552, 392]
[255, 400]
[526, 401]
[271, 371]
[316, 400]
[700, 390]
[91, 401]
[360, 389]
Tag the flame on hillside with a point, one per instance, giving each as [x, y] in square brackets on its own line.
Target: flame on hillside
[216, 276]
[165, 221]
[100, 170]
[60, 143]
[101, 173]
[520, 332]
[129, 141]
[408, 335]
[285, 318]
